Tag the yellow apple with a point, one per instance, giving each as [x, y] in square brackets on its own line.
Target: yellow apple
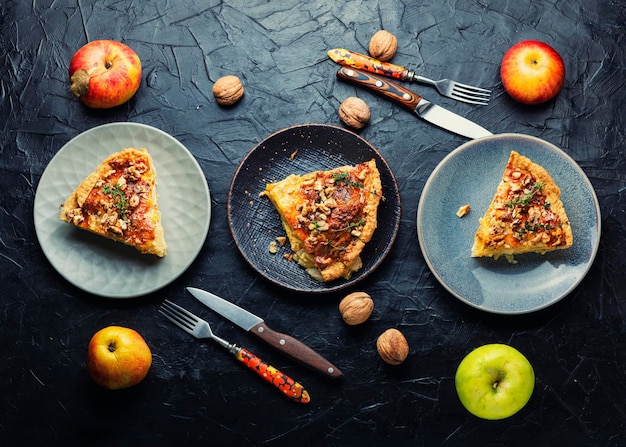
[118, 357]
[532, 72]
[494, 381]
[104, 73]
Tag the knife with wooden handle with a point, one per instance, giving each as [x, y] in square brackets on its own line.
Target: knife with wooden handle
[413, 102]
[288, 345]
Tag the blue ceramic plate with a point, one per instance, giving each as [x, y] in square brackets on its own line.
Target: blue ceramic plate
[470, 175]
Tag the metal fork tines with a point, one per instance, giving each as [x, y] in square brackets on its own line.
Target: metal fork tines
[201, 329]
[458, 91]
[191, 323]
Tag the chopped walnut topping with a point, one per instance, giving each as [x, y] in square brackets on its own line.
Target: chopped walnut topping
[463, 210]
[76, 215]
[139, 188]
[112, 220]
[323, 210]
[330, 203]
[322, 226]
[136, 171]
[134, 200]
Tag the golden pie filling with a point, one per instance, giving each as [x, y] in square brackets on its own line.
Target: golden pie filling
[329, 216]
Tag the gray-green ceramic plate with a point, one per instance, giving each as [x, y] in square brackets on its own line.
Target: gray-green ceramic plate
[109, 268]
[470, 175]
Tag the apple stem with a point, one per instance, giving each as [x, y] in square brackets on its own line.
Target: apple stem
[112, 346]
[80, 83]
[495, 385]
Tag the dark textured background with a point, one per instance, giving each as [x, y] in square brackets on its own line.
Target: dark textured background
[195, 393]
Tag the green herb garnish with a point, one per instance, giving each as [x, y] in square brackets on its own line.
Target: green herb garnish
[526, 198]
[352, 225]
[119, 198]
[341, 176]
[536, 227]
[345, 178]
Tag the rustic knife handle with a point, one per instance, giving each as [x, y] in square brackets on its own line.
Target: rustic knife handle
[280, 380]
[363, 62]
[296, 350]
[400, 95]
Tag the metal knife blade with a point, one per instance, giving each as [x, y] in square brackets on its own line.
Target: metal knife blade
[414, 102]
[254, 324]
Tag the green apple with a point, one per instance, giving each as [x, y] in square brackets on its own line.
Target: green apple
[494, 381]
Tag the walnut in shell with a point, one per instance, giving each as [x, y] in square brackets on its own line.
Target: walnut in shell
[383, 45]
[392, 346]
[356, 308]
[227, 90]
[354, 112]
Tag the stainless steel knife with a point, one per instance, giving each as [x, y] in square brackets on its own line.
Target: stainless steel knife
[288, 345]
[414, 102]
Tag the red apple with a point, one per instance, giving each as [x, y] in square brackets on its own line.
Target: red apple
[118, 357]
[105, 73]
[532, 72]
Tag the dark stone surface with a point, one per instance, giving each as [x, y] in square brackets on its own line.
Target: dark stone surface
[195, 393]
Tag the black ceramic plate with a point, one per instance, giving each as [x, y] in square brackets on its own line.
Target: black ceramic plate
[254, 223]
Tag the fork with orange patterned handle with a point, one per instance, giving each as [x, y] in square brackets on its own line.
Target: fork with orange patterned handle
[451, 89]
[201, 329]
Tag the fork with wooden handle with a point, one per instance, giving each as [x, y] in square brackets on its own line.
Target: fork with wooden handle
[200, 329]
[451, 89]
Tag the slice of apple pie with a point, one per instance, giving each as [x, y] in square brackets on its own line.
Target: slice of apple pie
[118, 201]
[329, 216]
[526, 214]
